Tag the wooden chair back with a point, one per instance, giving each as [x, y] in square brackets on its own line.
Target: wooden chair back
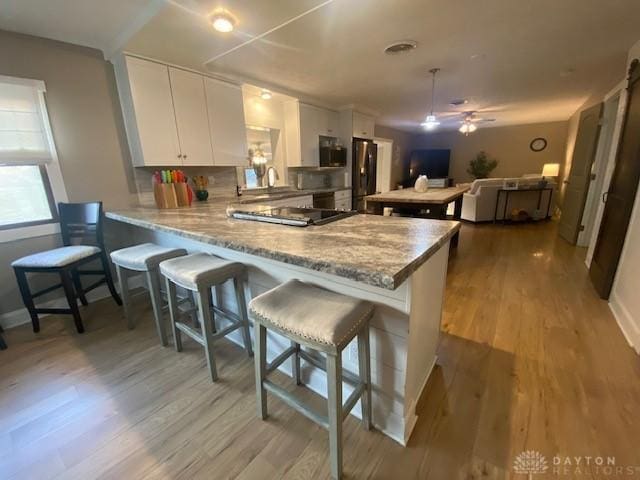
[81, 222]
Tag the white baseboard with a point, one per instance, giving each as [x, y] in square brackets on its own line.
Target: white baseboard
[21, 316]
[630, 330]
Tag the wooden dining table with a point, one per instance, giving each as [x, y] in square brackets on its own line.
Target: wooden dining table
[430, 204]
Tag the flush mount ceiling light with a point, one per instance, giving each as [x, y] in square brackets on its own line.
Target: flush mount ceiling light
[431, 122]
[401, 46]
[223, 21]
[265, 94]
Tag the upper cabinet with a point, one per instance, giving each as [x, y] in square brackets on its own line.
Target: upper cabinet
[150, 119]
[363, 125]
[226, 123]
[304, 126]
[176, 117]
[190, 105]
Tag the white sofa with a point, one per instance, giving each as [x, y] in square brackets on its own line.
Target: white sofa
[479, 203]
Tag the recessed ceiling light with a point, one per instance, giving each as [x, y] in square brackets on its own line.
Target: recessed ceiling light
[401, 46]
[223, 22]
[266, 94]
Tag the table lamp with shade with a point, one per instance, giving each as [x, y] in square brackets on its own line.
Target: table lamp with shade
[549, 170]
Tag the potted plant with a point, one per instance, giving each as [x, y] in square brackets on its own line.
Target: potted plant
[481, 166]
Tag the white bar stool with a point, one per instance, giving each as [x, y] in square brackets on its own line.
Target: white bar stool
[200, 273]
[144, 258]
[326, 322]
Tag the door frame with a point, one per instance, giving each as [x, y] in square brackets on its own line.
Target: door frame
[599, 166]
[610, 164]
[388, 143]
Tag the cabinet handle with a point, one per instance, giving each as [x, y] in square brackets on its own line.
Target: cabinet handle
[184, 156]
[179, 155]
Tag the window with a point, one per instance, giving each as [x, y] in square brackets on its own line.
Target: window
[31, 179]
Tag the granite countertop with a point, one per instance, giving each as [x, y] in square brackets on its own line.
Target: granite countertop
[279, 195]
[375, 250]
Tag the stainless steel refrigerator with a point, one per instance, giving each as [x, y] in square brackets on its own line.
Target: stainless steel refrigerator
[365, 159]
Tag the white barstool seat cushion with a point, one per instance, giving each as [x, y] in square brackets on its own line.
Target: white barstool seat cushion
[144, 257]
[312, 313]
[200, 270]
[58, 257]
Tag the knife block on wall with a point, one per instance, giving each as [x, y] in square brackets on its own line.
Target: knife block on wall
[171, 195]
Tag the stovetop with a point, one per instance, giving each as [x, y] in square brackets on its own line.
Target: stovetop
[295, 216]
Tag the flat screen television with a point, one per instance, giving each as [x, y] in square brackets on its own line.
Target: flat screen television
[434, 163]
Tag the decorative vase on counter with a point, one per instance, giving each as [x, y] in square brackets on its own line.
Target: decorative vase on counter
[422, 184]
[202, 195]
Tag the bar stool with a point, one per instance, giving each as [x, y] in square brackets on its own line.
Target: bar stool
[199, 273]
[326, 322]
[144, 258]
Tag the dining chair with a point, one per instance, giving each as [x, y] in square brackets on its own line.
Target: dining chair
[82, 237]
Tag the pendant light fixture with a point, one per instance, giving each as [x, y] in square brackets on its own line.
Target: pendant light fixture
[431, 122]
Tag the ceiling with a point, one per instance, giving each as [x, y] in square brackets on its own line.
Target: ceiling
[519, 61]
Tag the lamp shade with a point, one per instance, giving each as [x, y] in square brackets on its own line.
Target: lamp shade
[551, 170]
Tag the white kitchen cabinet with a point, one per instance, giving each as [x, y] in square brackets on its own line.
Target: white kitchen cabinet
[304, 126]
[150, 121]
[190, 105]
[363, 125]
[342, 199]
[226, 123]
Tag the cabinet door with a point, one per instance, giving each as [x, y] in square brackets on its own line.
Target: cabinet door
[344, 204]
[190, 105]
[332, 123]
[155, 121]
[226, 123]
[309, 137]
[363, 125]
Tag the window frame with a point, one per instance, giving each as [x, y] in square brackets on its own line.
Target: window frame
[51, 173]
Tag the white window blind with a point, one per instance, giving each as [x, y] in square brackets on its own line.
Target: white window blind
[24, 139]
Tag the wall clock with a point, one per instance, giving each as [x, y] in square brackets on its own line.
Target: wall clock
[538, 144]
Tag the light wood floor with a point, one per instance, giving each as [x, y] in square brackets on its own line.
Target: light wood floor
[530, 359]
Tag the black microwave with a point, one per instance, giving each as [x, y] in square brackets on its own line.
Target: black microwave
[333, 156]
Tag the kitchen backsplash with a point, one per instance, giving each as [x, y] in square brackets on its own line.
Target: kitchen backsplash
[223, 180]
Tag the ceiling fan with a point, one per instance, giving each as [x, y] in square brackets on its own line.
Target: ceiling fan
[470, 121]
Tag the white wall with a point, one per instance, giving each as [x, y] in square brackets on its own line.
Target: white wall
[624, 300]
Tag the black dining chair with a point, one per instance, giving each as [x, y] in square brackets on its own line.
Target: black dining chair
[81, 229]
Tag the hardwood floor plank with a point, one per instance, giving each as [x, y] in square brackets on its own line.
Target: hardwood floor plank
[529, 359]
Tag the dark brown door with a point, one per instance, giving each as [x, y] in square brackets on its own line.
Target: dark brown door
[621, 195]
[577, 184]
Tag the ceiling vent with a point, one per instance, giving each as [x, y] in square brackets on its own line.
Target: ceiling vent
[400, 47]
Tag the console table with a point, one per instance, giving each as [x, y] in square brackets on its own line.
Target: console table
[508, 191]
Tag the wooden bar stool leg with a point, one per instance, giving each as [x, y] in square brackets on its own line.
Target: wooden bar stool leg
[334, 387]
[238, 285]
[153, 281]
[206, 322]
[23, 285]
[123, 280]
[260, 334]
[78, 284]
[364, 370]
[67, 285]
[172, 299]
[295, 363]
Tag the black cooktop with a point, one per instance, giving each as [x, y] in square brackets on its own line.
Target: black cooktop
[296, 216]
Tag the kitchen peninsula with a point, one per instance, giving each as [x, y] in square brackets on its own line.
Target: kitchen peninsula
[398, 263]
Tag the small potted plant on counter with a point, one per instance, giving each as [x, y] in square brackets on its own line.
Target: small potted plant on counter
[200, 184]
